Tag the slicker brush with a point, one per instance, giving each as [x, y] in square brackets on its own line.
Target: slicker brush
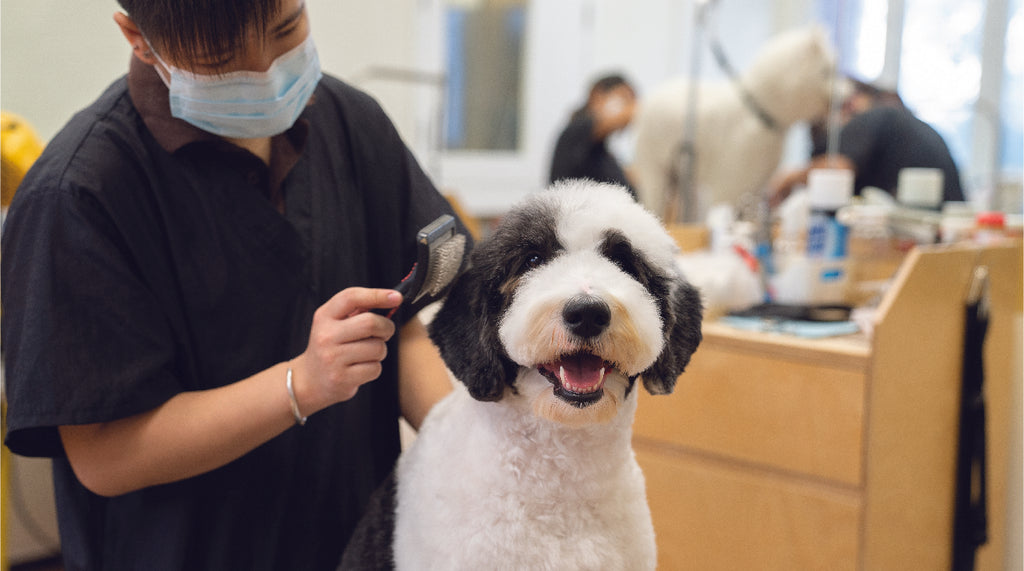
[439, 251]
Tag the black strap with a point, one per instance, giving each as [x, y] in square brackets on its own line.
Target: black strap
[970, 519]
[748, 98]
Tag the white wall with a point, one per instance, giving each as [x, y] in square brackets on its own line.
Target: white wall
[56, 57]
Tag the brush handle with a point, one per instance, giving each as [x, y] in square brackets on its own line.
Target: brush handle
[403, 288]
[427, 240]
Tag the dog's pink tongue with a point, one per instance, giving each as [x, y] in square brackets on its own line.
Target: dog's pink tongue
[580, 373]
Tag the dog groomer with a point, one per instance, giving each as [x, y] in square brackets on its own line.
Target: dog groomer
[581, 150]
[188, 274]
[879, 138]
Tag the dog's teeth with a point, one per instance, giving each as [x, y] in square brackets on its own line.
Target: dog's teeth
[602, 375]
[561, 374]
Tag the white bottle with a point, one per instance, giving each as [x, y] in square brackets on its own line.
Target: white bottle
[919, 192]
[828, 190]
[957, 223]
[920, 188]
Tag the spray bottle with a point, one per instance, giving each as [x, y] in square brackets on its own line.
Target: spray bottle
[828, 190]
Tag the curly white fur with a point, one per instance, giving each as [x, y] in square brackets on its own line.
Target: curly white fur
[494, 487]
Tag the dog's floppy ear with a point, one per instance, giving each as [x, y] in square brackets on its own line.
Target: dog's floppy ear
[465, 329]
[682, 335]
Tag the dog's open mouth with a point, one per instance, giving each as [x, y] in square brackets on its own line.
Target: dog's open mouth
[578, 378]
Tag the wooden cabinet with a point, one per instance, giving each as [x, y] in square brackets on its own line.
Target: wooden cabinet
[783, 453]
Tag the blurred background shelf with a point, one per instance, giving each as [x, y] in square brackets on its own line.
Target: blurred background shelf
[781, 453]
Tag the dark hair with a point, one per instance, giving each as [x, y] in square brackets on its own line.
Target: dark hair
[860, 86]
[609, 82]
[877, 94]
[187, 29]
[601, 85]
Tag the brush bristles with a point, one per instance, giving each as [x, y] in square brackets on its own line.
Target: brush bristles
[445, 261]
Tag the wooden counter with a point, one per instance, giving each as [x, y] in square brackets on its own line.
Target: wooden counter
[782, 453]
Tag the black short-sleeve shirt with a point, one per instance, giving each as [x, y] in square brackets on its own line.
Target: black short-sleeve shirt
[131, 274]
[578, 155]
[884, 140]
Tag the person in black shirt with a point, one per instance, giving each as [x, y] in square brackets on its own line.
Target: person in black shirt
[882, 137]
[188, 272]
[581, 150]
[879, 138]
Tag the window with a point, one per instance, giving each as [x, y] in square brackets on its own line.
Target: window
[940, 68]
[1011, 159]
[939, 57]
[484, 51]
[860, 34]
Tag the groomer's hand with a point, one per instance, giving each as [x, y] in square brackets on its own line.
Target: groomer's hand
[347, 343]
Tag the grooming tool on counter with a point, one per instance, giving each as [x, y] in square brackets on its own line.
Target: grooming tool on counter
[439, 250]
[780, 311]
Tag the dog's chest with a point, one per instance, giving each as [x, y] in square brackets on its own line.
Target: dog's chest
[480, 487]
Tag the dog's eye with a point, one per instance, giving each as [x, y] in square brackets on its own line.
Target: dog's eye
[530, 260]
[622, 255]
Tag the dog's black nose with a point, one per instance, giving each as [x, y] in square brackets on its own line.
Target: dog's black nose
[586, 316]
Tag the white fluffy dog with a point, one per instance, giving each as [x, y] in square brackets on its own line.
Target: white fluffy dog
[738, 143]
[528, 464]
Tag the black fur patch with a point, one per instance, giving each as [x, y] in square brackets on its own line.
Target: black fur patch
[370, 548]
[465, 329]
[678, 303]
[682, 336]
[617, 248]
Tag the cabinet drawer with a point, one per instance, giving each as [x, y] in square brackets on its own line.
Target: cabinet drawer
[804, 416]
[713, 517]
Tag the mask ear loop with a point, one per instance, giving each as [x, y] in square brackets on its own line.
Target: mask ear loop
[166, 68]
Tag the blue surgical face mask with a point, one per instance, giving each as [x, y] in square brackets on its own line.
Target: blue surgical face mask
[246, 104]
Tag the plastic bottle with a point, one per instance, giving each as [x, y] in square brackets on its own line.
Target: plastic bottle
[920, 188]
[828, 190]
[1014, 226]
[989, 227]
[957, 223]
[919, 193]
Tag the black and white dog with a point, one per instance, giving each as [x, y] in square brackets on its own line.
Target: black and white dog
[528, 463]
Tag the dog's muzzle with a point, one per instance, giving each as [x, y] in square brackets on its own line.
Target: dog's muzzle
[579, 377]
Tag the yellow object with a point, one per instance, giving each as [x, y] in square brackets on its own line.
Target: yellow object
[19, 148]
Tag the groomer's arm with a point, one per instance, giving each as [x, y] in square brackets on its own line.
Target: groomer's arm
[422, 377]
[195, 432]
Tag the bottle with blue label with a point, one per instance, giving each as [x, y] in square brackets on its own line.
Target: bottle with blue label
[828, 190]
